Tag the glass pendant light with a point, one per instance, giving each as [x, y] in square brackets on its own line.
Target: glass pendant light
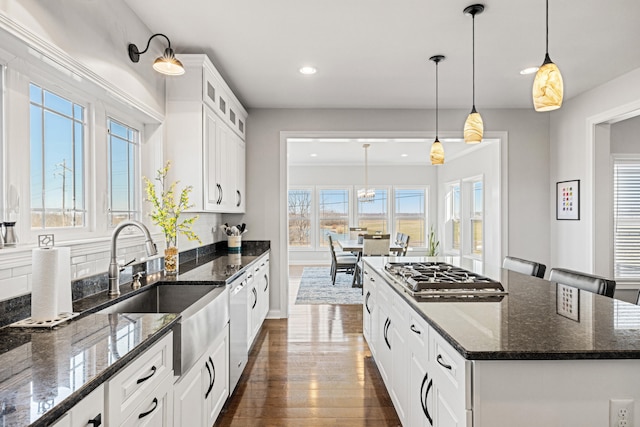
[437, 151]
[547, 87]
[473, 127]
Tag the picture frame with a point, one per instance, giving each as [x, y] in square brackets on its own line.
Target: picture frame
[568, 200]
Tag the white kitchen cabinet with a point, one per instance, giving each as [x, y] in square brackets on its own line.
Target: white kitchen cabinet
[419, 414]
[136, 382]
[88, 412]
[205, 127]
[200, 393]
[259, 284]
[369, 310]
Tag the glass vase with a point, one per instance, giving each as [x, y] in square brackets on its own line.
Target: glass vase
[171, 257]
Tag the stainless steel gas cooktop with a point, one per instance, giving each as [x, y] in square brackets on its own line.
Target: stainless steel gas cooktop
[442, 281]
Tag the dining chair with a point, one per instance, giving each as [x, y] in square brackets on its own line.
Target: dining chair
[404, 242]
[524, 266]
[373, 245]
[587, 282]
[399, 238]
[354, 232]
[345, 262]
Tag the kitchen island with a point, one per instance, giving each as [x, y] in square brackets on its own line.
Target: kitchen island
[540, 355]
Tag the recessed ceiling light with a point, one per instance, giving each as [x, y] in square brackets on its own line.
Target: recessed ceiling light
[404, 155]
[313, 155]
[529, 70]
[308, 70]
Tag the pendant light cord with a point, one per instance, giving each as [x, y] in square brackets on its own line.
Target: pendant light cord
[473, 59]
[437, 100]
[547, 45]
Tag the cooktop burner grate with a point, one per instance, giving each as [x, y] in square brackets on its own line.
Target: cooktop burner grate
[428, 279]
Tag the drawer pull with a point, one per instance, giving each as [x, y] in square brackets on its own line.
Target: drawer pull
[212, 376]
[97, 421]
[413, 329]
[153, 371]
[266, 286]
[255, 294]
[155, 405]
[386, 332]
[366, 302]
[424, 397]
[440, 360]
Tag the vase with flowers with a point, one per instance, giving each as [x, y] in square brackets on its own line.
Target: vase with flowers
[166, 214]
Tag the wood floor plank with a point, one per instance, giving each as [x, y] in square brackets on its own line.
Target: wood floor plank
[312, 369]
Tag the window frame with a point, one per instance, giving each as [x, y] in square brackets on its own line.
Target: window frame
[356, 217]
[468, 215]
[449, 216]
[426, 189]
[139, 197]
[312, 219]
[617, 159]
[318, 188]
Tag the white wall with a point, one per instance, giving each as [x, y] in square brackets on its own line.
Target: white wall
[625, 136]
[528, 163]
[571, 140]
[485, 162]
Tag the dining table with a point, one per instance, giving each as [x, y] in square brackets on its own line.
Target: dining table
[356, 247]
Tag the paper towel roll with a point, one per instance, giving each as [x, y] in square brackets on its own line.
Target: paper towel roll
[50, 283]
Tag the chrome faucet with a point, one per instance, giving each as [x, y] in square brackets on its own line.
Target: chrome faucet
[114, 268]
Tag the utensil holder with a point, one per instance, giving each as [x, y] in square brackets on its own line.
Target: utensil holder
[234, 243]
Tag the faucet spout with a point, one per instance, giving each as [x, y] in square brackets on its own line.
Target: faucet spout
[114, 268]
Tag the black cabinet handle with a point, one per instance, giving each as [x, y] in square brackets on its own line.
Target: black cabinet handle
[386, 332]
[255, 301]
[424, 396]
[239, 198]
[221, 194]
[266, 286]
[212, 376]
[97, 421]
[366, 302]
[440, 360]
[413, 329]
[153, 371]
[155, 405]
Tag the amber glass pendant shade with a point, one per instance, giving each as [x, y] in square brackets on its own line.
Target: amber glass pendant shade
[437, 153]
[473, 128]
[548, 88]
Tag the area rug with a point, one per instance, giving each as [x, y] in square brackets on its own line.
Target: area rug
[316, 288]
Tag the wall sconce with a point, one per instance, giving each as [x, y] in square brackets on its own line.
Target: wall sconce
[165, 64]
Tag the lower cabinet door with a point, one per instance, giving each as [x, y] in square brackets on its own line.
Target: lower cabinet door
[420, 392]
[157, 409]
[218, 387]
[188, 398]
[445, 415]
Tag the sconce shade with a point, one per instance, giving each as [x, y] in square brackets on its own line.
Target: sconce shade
[473, 128]
[547, 87]
[437, 153]
[168, 64]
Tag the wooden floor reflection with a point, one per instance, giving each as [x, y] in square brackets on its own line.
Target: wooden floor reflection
[313, 369]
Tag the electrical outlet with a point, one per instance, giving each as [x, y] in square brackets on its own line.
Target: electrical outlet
[621, 413]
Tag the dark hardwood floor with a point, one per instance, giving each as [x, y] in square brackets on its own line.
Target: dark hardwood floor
[313, 369]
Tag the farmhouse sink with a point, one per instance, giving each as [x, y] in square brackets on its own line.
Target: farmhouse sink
[204, 311]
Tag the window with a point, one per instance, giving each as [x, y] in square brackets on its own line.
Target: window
[409, 214]
[123, 149]
[477, 215]
[333, 207]
[374, 214]
[57, 160]
[452, 226]
[300, 218]
[626, 218]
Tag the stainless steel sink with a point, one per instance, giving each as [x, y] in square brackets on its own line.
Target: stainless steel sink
[204, 311]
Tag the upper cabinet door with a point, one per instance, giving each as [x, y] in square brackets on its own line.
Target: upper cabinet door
[205, 127]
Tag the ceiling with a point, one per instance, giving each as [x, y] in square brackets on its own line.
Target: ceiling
[374, 53]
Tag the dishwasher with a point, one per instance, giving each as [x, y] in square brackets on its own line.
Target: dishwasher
[238, 328]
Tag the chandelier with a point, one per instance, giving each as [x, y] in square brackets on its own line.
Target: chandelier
[366, 194]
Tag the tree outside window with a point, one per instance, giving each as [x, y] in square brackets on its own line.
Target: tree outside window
[300, 204]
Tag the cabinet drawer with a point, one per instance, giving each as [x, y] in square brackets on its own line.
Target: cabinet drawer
[128, 389]
[90, 408]
[450, 371]
[155, 408]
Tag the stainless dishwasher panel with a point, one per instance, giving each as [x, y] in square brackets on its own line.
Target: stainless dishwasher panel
[238, 326]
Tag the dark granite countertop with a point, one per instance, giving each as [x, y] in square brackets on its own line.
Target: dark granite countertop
[45, 372]
[526, 323]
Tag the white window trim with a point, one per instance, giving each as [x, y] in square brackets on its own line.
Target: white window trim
[388, 188]
[316, 224]
[619, 158]
[313, 232]
[448, 216]
[466, 202]
[426, 188]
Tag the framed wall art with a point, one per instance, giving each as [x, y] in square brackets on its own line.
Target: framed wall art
[568, 200]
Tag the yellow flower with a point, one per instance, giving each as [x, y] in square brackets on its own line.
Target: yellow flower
[166, 211]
